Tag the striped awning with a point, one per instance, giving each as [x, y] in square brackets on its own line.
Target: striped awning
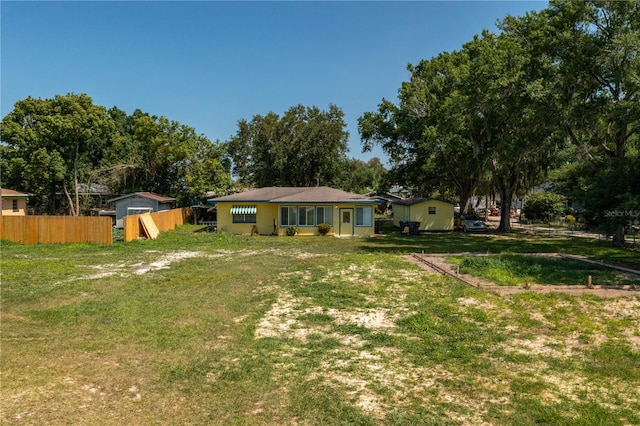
[243, 210]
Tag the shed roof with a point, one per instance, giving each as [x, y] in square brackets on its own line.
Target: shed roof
[151, 195]
[284, 195]
[10, 193]
[412, 201]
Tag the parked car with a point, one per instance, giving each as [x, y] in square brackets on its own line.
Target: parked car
[470, 223]
[494, 211]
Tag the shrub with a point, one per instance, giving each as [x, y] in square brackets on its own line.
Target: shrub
[324, 228]
[571, 220]
[292, 230]
[543, 206]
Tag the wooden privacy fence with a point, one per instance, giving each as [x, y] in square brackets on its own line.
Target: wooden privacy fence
[56, 229]
[147, 225]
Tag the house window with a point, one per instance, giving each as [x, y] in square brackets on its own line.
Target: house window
[288, 216]
[244, 218]
[15, 206]
[243, 214]
[432, 209]
[364, 216]
[306, 216]
[324, 215]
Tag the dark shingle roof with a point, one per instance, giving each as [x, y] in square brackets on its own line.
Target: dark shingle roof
[412, 201]
[277, 194]
[153, 196]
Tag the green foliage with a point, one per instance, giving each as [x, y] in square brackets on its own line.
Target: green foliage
[595, 45]
[292, 230]
[324, 228]
[53, 146]
[543, 206]
[174, 160]
[510, 102]
[514, 270]
[472, 112]
[360, 177]
[428, 135]
[303, 147]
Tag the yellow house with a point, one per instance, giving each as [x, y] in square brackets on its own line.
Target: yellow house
[273, 210]
[432, 214]
[14, 203]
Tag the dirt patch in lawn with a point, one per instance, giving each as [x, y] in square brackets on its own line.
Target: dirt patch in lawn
[126, 269]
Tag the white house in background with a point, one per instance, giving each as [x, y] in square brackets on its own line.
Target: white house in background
[140, 202]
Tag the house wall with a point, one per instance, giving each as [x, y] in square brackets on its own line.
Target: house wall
[401, 214]
[441, 221]
[7, 207]
[267, 212]
[137, 201]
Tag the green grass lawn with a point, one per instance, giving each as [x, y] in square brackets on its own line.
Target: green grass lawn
[197, 328]
[515, 269]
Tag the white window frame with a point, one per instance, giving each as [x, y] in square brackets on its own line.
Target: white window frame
[290, 209]
[303, 216]
[244, 218]
[361, 216]
[327, 215]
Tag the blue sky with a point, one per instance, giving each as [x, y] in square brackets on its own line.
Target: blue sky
[209, 64]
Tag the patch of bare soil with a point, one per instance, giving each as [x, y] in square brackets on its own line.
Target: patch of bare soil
[349, 365]
[437, 264]
[380, 379]
[127, 269]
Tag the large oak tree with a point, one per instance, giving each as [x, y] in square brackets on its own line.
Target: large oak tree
[304, 147]
[596, 47]
[63, 137]
[52, 146]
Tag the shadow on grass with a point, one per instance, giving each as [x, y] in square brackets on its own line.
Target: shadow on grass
[515, 242]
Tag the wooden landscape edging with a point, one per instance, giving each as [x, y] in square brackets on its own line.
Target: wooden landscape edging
[599, 262]
[439, 269]
[600, 290]
[56, 229]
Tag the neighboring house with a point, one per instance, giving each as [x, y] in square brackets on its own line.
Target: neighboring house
[139, 202]
[274, 209]
[14, 203]
[95, 195]
[433, 214]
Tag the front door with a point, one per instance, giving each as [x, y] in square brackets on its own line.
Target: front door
[346, 222]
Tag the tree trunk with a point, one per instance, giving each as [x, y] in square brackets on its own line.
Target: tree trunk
[505, 212]
[66, 193]
[506, 184]
[618, 237]
[75, 180]
[464, 200]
